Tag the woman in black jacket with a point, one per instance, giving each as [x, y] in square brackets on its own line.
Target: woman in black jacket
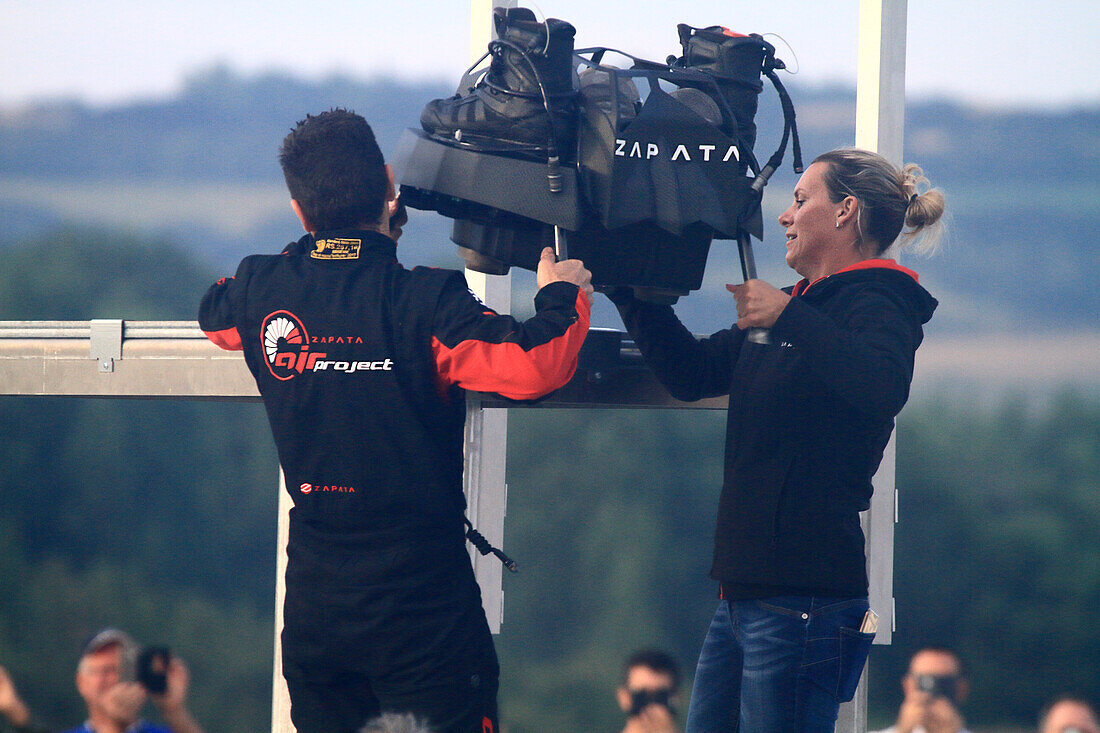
[810, 413]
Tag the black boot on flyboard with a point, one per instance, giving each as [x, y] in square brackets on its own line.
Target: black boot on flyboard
[525, 102]
[736, 62]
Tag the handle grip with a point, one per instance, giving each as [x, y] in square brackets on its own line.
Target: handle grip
[748, 269]
[561, 247]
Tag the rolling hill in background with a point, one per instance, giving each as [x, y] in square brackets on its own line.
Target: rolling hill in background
[199, 169]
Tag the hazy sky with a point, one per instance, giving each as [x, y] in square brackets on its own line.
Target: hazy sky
[986, 51]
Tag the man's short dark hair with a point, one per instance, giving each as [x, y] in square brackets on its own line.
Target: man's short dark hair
[653, 659]
[334, 169]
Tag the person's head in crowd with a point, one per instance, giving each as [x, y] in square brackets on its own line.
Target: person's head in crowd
[935, 685]
[106, 660]
[336, 174]
[1068, 714]
[650, 677]
[936, 671]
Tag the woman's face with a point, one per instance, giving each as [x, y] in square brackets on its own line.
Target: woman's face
[815, 244]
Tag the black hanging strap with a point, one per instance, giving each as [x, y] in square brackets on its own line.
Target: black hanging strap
[478, 540]
[790, 131]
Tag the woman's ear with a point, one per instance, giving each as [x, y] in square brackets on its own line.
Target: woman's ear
[847, 211]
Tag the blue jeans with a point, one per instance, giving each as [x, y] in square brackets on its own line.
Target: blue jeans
[778, 665]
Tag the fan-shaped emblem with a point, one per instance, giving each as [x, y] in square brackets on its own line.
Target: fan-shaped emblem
[286, 344]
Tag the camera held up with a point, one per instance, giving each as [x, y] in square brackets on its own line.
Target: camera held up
[152, 669]
[939, 686]
[641, 699]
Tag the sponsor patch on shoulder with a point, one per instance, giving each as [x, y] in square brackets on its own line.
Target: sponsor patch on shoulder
[337, 248]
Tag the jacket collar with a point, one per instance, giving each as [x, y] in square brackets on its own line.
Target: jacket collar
[349, 244]
[875, 263]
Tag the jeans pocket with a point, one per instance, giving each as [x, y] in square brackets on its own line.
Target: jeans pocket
[854, 648]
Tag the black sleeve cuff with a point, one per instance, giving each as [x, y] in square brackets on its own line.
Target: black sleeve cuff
[556, 294]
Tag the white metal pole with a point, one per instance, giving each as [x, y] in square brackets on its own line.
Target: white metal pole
[880, 127]
[487, 428]
[880, 121]
[280, 696]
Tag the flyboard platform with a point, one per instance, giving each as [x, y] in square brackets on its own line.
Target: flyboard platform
[639, 198]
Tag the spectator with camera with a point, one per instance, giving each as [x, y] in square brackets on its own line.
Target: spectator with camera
[935, 686]
[649, 693]
[116, 678]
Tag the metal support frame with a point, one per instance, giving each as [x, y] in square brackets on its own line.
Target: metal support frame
[173, 360]
[106, 342]
[280, 695]
[880, 127]
[486, 439]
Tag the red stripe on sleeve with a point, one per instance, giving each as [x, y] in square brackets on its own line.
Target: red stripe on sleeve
[228, 339]
[508, 370]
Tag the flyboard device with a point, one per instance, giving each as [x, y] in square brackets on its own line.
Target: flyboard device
[553, 147]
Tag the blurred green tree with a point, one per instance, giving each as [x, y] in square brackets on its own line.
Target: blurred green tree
[997, 553]
[158, 517]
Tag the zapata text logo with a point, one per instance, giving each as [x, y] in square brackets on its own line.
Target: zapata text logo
[286, 345]
[310, 488]
[679, 152]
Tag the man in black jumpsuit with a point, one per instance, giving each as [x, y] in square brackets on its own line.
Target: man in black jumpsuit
[362, 365]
